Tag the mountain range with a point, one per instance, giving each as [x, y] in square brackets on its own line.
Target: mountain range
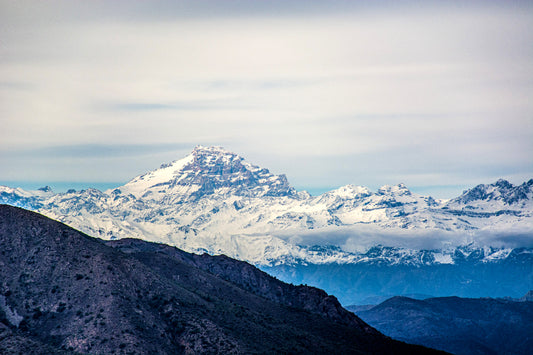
[215, 201]
[63, 292]
[458, 325]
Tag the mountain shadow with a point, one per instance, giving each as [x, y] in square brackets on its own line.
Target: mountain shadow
[458, 325]
[62, 291]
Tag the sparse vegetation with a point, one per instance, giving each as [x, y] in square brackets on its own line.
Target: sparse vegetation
[219, 305]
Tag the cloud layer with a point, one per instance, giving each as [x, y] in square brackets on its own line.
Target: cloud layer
[328, 93]
[361, 238]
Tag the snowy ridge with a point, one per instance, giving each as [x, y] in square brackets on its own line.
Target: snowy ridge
[140, 185]
[215, 201]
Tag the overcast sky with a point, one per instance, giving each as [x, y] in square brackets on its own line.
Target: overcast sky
[436, 96]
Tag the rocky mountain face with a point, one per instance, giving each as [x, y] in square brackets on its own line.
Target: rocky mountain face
[458, 325]
[62, 291]
[502, 193]
[207, 171]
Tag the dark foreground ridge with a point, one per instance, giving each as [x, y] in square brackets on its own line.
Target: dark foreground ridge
[459, 325]
[63, 292]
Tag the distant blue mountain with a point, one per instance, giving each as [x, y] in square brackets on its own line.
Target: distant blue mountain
[468, 275]
[462, 326]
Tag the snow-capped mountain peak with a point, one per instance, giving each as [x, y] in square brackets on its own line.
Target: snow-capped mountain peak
[139, 185]
[398, 190]
[501, 193]
[204, 171]
[350, 191]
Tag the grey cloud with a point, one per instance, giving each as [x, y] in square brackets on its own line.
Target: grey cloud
[135, 106]
[171, 10]
[16, 85]
[192, 105]
[273, 83]
[95, 150]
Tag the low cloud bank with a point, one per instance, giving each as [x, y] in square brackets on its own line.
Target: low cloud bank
[361, 238]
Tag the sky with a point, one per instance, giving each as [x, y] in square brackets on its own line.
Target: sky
[436, 95]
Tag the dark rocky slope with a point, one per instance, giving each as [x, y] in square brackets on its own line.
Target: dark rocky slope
[62, 291]
[457, 325]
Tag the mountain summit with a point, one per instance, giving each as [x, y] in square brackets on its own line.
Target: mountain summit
[205, 171]
[502, 192]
